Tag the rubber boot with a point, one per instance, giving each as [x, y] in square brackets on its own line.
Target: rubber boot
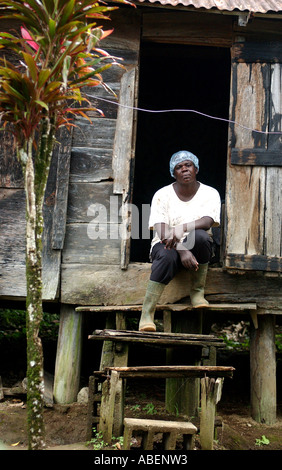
[153, 293]
[198, 282]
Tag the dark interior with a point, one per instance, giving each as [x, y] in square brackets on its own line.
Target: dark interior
[188, 78]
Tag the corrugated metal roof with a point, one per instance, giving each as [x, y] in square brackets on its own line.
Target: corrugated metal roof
[255, 6]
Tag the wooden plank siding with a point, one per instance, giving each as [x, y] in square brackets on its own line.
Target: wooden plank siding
[91, 279]
[187, 28]
[95, 173]
[100, 168]
[12, 232]
[109, 285]
[254, 170]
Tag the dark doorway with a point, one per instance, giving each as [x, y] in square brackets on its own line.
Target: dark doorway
[179, 77]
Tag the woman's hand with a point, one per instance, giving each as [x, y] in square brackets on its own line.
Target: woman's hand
[188, 259]
[168, 236]
[173, 237]
[170, 242]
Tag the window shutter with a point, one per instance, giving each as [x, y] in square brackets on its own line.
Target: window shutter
[254, 169]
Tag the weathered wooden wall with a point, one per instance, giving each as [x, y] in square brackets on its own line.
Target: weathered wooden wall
[100, 161]
[254, 170]
[12, 221]
[89, 269]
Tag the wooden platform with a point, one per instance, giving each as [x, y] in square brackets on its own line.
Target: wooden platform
[111, 417]
[168, 309]
[220, 307]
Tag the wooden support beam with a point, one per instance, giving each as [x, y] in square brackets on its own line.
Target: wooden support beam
[68, 358]
[211, 390]
[263, 370]
[182, 395]
[111, 416]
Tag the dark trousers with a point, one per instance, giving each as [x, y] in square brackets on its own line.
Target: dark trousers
[166, 263]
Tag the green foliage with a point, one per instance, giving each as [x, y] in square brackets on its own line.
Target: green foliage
[13, 325]
[58, 53]
[135, 408]
[278, 342]
[244, 344]
[150, 409]
[236, 345]
[263, 441]
[98, 443]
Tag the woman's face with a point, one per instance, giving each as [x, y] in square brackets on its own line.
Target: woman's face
[185, 172]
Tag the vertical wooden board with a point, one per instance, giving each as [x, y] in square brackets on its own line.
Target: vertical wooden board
[273, 212]
[63, 154]
[122, 153]
[249, 103]
[245, 189]
[275, 140]
[273, 206]
[245, 202]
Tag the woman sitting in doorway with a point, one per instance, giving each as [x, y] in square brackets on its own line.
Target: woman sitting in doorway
[182, 215]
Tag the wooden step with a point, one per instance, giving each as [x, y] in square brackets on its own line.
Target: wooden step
[167, 371]
[158, 338]
[151, 427]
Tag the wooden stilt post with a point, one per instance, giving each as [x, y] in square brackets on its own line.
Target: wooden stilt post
[113, 354]
[210, 395]
[108, 412]
[68, 359]
[263, 370]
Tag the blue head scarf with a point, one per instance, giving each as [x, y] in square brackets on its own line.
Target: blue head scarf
[179, 157]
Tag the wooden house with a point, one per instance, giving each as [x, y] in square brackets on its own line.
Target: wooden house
[204, 75]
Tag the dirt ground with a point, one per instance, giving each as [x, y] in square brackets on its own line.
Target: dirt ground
[66, 425]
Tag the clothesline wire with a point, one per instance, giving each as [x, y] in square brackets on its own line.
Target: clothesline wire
[155, 111]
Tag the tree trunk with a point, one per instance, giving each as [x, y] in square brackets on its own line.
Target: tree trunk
[36, 170]
[35, 390]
